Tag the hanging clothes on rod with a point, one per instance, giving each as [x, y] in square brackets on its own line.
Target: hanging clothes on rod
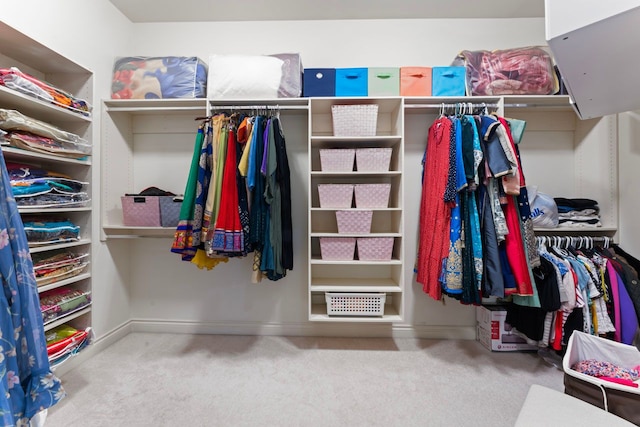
[238, 195]
[476, 238]
[584, 284]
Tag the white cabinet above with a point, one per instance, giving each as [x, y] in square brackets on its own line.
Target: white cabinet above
[595, 45]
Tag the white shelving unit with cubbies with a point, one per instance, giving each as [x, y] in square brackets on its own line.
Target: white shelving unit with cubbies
[37, 60]
[356, 275]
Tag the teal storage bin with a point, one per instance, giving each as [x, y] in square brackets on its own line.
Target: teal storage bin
[384, 81]
[448, 81]
[352, 82]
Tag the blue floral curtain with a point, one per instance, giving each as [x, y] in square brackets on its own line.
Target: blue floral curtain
[27, 384]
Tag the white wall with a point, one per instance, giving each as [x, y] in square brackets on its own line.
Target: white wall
[344, 43]
[90, 33]
[629, 177]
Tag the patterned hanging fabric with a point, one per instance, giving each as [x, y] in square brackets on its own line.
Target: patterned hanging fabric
[26, 377]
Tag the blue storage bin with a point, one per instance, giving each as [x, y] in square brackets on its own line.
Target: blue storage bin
[352, 82]
[448, 81]
[319, 82]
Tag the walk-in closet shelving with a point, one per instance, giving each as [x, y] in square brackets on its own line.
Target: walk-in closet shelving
[37, 60]
[562, 155]
[357, 276]
[150, 143]
[567, 157]
[145, 143]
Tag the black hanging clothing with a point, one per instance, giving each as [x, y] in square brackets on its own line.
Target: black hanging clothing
[283, 178]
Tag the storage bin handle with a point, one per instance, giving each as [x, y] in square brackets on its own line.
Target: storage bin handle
[352, 76]
[383, 75]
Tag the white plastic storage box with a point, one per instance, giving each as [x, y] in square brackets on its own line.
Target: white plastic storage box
[354, 120]
[354, 221]
[337, 248]
[141, 211]
[375, 248]
[335, 195]
[355, 304]
[372, 195]
[337, 159]
[373, 159]
[621, 400]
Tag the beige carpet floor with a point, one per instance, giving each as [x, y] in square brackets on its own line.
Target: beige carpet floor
[210, 380]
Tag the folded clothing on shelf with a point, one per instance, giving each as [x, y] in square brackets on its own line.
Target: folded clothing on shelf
[43, 231]
[15, 79]
[35, 187]
[51, 267]
[60, 301]
[35, 135]
[65, 341]
[578, 212]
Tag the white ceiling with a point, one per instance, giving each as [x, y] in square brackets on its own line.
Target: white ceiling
[270, 10]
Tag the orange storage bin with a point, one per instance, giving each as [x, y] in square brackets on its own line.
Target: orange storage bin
[415, 81]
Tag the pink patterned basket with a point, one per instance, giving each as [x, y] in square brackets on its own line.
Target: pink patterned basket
[354, 221]
[335, 195]
[354, 120]
[337, 159]
[375, 248]
[373, 159]
[337, 248]
[372, 195]
[141, 211]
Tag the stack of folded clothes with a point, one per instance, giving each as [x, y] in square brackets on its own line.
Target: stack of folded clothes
[578, 212]
[65, 341]
[38, 188]
[15, 79]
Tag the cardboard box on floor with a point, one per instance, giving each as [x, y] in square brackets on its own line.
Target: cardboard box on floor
[495, 333]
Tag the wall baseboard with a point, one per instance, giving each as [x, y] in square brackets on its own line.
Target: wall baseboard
[303, 329]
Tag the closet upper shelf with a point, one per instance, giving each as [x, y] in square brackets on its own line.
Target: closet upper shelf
[25, 155]
[521, 102]
[155, 106]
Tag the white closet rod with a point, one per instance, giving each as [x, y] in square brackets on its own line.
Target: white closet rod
[445, 105]
[258, 107]
[519, 105]
[579, 241]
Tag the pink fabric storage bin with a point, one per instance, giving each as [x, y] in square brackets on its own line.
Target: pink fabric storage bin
[372, 195]
[141, 211]
[337, 159]
[373, 159]
[354, 120]
[375, 248]
[335, 195]
[337, 248]
[353, 221]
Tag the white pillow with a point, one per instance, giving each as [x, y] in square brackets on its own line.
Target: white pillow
[244, 77]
